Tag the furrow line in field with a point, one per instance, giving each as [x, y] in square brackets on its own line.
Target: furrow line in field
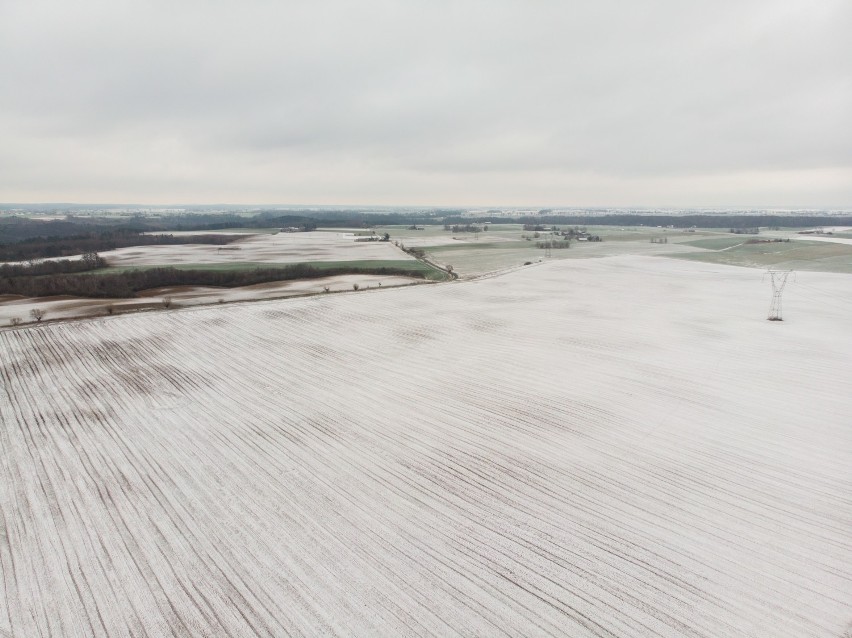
[123, 479]
[502, 457]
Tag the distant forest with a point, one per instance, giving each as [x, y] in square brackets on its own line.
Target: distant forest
[27, 240]
[24, 238]
[58, 246]
[126, 284]
[16, 228]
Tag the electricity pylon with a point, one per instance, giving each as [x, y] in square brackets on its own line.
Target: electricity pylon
[779, 280]
[548, 246]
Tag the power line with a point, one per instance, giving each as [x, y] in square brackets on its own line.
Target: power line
[779, 280]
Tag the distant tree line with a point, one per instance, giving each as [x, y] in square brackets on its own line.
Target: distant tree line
[47, 247]
[15, 228]
[745, 231]
[385, 237]
[556, 245]
[465, 228]
[126, 284]
[90, 261]
[414, 251]
[677, 221]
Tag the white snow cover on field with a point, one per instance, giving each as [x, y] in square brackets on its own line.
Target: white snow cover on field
[455, 240]
[283, 248]
[833, 240]
[608, 447]
[65, 307]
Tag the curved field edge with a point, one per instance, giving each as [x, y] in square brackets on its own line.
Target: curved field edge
[612, 447]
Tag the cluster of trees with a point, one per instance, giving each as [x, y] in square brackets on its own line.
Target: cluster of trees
[90, 261]
[556, 245]
[576, 232]
[465, 228]
[47, 247]
[385, 237]
[419, 253]
[746, 231]
[36, 314]
[126, 284]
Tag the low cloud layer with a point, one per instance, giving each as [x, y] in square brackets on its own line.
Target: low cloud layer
[659, 103]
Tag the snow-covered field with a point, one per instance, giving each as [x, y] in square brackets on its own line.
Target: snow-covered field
[262, 248]
[606, 447]
[283, 248]
[182, 296]
[835, 240]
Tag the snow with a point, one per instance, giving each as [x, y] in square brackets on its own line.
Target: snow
[283, 248]
[65, 307]
[832, 240]
[620, 446]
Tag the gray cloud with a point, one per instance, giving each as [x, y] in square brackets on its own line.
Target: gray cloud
[558, 102]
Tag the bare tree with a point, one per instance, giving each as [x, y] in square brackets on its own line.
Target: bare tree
[355, 286]
[37, 314]
[167, 302]
[15, 321]
[93, 260]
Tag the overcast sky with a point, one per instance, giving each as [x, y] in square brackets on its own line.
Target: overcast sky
[428, 102]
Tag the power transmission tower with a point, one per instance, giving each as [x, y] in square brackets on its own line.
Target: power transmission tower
[779, 280]
[548, 246]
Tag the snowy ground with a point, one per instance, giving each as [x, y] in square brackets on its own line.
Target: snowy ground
[606, 447]
[280, 248]
[283, 248]
[835, 240]
[182, 296]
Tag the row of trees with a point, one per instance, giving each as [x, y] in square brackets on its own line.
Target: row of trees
[36, 314]
[126, 284]
[556, 245]
[684, 220]
[374, 237]
[746, 231]
[90, 261]
[465, 228]
[40, 248]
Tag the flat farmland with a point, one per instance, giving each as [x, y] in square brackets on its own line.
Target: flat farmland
[320, 250]
[610, 447]
[280, 248]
